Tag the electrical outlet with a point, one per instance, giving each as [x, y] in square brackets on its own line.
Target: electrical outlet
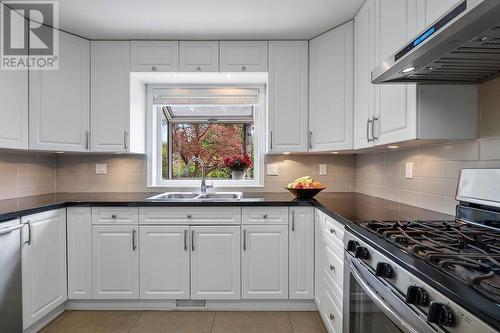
[101, 168]
[322, 170]
[272, 169]
[409, 170]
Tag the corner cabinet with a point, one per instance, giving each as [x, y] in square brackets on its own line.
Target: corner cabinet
[301, 257]
[43, 264]
[59, 115]
[116, 127]
[288, 96]
[331, 90]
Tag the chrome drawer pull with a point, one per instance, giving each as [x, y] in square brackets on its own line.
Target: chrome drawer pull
[189, 216]
[113, 216]
[332, 268]
[332, 231]
[265, 216]
[332, 317]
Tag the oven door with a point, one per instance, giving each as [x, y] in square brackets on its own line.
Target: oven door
[371, 306]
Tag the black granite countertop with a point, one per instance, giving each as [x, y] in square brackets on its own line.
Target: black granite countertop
[344, 207]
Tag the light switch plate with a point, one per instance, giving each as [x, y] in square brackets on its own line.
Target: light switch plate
[322, 170]
[409, 170]
[101, 168]
[272, 169]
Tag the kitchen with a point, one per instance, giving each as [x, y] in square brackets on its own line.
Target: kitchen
[156, 174]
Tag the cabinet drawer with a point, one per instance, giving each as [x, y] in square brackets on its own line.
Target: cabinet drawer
[332, 315]
[334, 229]
[265, 215]
[190, 215]
[333, 269]
[115, 215]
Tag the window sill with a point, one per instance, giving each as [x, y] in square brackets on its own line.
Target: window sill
[217, 184]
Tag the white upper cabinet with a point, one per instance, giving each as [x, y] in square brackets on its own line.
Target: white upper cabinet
[164, 262]
[59, 110]
[364, 91]
[154, 56]
[435, 8]
[43, 264]
[215, 262]
[199, 56]
[115, 126]
[301, 256]
[264, 262]
[288, 96]
[14, 109]
[331, 89]
[115, 262]
[243, 56]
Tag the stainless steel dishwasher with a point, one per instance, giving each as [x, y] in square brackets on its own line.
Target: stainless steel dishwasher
[11, 311]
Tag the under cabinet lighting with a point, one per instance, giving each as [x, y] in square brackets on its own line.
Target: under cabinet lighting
[286, 153]
[335, 152]
[393, 147]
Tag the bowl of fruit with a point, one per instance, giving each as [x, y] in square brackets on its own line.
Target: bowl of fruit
[305, 187]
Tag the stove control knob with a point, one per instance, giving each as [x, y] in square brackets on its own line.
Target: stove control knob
[351, 246]
[362, 253]
[383, 270]
[440, 314]
[417, 296]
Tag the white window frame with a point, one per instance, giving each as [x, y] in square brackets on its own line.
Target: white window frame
[154, 135]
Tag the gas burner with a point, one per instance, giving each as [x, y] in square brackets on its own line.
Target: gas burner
[465, 251]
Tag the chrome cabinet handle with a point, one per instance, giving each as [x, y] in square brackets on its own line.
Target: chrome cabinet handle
[87, 140]
[113, 216]
[189, 216]
[244, 240]
[192, 240]
[332, 231]
[125, 139]
[332, 268]
[134, 246]
[153, 68]
[198, 68]
[264, 216]
[271, 140]
[368, 122]
[332, 317]
[293, 220]
[28, 242]
[373, 129]
[310, 139]
[185, 239]
[243, 68]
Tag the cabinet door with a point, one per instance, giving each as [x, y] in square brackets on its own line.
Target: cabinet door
[79, 253]
[59, 100]
[215, 262]
[164, 262]
[243, 56]
[395, 104]
[288, 93]
[364, 91]
[301, 247]
[154, 56]
[43, 264]
[110, 77]
[199, 56]
[318, 258]
[115, 262]
[331, 89]
[264, 262]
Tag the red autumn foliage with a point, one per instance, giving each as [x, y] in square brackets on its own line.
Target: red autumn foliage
[238, 162]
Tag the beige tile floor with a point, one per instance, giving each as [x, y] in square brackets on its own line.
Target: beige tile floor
[185, 322]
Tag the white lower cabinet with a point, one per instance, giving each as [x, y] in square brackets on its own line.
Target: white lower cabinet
[43, 264]
[301, 247]
[264, 262]
[215, 262]
[79, 252]
[115, 262]
[164, 262]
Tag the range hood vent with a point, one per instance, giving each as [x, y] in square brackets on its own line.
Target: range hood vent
[462, 46]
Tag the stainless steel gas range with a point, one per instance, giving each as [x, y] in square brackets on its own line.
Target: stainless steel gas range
[428, 276]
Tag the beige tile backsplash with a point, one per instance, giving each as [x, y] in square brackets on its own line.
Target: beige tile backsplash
[25, 174]
[76, 173]
[436, 168]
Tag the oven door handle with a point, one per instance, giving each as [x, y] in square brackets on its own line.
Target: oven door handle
[387, 309]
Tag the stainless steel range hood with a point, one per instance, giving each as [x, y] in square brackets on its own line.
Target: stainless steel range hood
[462, 46]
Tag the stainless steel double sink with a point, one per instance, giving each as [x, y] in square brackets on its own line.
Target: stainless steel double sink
[194, 196]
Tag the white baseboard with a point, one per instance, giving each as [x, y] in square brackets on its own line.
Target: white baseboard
[44, 321]
[237, 305]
